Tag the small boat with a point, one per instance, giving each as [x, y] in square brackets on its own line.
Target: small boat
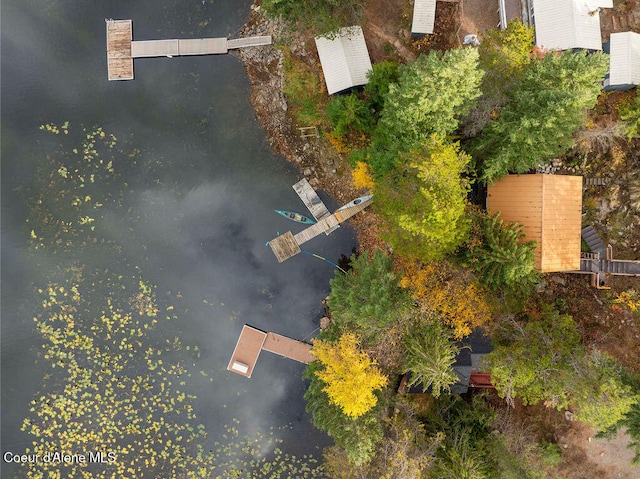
[355, 202]
[295, 217]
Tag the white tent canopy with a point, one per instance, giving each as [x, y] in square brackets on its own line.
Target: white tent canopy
[567, 24]
[345, 59]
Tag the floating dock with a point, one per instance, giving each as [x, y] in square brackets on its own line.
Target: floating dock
[287, 245]
[252, 341]
[247, 350]
[311, 199]
[122, 49]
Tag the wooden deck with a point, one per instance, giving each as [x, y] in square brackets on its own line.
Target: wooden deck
[245, 355]
[287, 245]
[252, 341]
[311, 199]
[177, 47]
[288, 348]
[322, 226]
[284, 246]
[256, 41]
[119, 59]
[121, 49]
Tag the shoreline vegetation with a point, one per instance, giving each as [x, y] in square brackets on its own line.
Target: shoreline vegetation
[404, 306]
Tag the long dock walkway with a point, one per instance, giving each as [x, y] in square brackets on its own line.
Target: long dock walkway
[288, 348]
[252, 341]
[122, 49]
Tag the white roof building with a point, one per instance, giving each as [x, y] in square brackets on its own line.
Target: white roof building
[424, 16]
[624, 60]
[345, 59]
[566, 24]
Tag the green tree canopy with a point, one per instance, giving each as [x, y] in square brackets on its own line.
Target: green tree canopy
[498, 254]
[541, 359]
[319, 16]
[630, 115]
[430, 96]
[349, 112]
[541, 114]
[504, 56]
[368, 296]
[429, 356]
[422, 201]
[380, 77]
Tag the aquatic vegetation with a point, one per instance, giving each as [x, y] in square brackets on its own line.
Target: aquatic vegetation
[72, 186]
[117, 396]
[115, 393]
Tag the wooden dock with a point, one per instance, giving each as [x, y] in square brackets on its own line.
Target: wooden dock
[119, 59]
[177, 47]
[257, 41]
[287, 245]
[252, 341]
[288, 348]
[245, 355]
[311, 199]
[122, 49]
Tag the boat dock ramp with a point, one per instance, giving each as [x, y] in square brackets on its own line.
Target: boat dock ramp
[252, 341]
[122, 49]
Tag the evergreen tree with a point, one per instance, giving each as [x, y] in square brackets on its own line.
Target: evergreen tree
[504, 56]
[349, 112]
[540, 359]
[430, 96]
[429, 356]
[380, 77]
[368, 297]
[500, 256]
[541, 114]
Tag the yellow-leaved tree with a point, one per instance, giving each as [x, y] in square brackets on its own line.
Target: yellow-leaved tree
[362, 176]
[351, 376]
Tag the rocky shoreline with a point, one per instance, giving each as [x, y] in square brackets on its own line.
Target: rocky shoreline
[315, 158]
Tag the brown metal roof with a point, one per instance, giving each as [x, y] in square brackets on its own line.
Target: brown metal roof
[550, 209]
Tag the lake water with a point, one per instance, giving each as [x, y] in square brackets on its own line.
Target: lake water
[206, 206]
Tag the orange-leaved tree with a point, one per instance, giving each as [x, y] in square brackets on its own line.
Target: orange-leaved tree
[351, 376]
[454, 293]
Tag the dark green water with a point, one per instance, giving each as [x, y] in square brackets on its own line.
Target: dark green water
[204, 201]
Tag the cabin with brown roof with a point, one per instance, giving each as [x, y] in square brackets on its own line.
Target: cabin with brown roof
[550, 209]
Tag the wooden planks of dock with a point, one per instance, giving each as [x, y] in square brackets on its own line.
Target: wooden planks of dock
[119, 59]
[287, 245]
[256, 41]
[252, 341]
[245, 355]
[177, 47]
[311, 199]
[121, 49]
[288, 348]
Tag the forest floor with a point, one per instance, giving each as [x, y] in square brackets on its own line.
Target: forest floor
[613, 209]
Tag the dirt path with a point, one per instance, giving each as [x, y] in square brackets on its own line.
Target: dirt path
[610, 457]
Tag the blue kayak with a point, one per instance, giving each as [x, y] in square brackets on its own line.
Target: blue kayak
[295, 217]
